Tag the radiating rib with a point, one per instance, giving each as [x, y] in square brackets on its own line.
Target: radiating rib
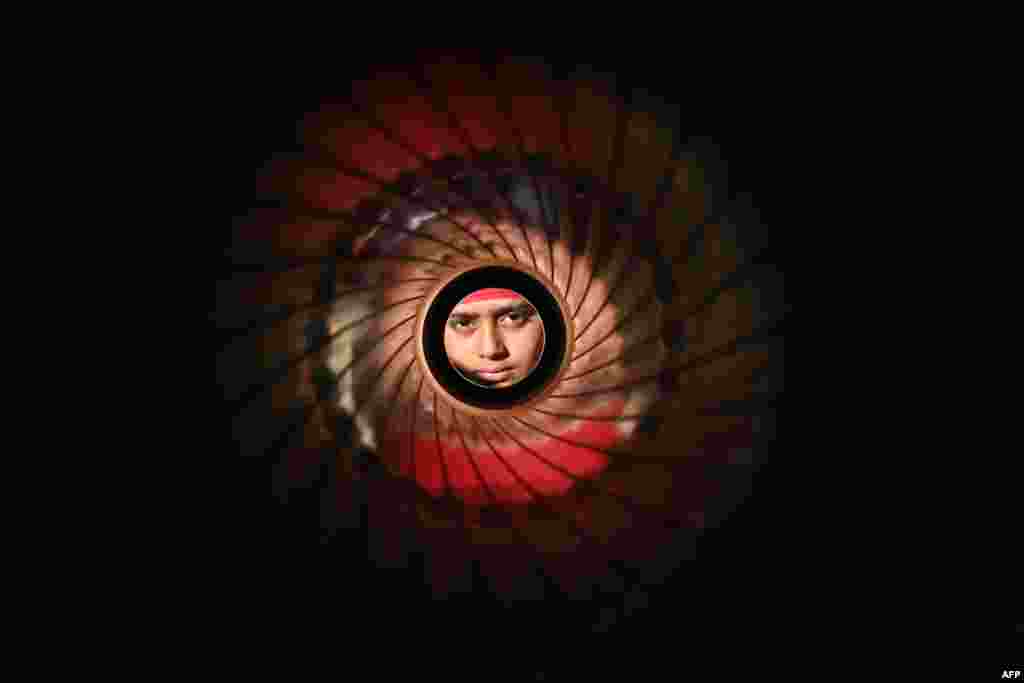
[439, 105]
[634, 506]
[425, 80]
[732, 280]
[563, 116]
[328, 215]
[233, 334]
[522, 228]
[577, 529]
[529, 543]
[414, 406]
[562, 238]
[351, 219]
[590, 418]
[615, 162]
[715, 354]
[393, 402]
[633, 255]
[529, 450]
[440, 453]
[658, 200]
[593, 252]
[591, 484]
[725, 407]
[656, 203]
[427, 90]
[366, 353]
[625, 354]
[380, 374]
[397, 138]
[281, 440]
[253, 391]
[573, 525]
[417, 522]
[521, 148]
[610, 454]
[385, 187]
[544, 220]
[508, 121]
[622, 275]
[578, 232]
[308, 412]
[549, 231]
[611, 390]
[601, 252]
[538, 497]
[472, 460]
[534, 494]
[638, 307]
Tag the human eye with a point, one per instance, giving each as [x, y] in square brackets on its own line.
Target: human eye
[460, 324]
[515, 318]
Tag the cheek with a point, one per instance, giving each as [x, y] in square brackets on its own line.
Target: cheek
[528, 343]
[453, 346]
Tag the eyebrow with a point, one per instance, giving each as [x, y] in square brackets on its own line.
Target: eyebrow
[523, 308]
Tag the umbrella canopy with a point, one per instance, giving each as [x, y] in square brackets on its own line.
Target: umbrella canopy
[665, 378]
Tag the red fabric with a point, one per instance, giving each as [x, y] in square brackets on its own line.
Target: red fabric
[462, 463]
[489, 294]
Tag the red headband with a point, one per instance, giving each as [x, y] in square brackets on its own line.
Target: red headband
[487, 294]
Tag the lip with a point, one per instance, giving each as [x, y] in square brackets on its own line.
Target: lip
[496, 374]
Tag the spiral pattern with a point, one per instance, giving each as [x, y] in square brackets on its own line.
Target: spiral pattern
[445, 165]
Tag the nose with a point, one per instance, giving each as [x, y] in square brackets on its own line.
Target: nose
[490, 345]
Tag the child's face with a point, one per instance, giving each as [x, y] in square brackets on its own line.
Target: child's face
[494, 340]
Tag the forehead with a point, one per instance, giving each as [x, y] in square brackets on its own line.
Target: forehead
[489, 306]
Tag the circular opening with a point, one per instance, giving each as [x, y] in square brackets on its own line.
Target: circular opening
[494, 336]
